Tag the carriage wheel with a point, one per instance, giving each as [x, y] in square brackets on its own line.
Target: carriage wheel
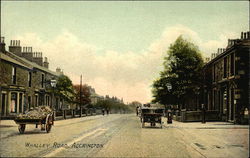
[21, 128]
[49, 123]
[161, 123]
[142, 123]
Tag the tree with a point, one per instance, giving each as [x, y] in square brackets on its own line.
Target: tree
[85, 94]
[183, 71]
[64, 88]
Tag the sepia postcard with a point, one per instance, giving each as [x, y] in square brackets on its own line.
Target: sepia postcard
[86, 78]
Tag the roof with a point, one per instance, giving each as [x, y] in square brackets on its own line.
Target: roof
[11, 57]
[241, 42]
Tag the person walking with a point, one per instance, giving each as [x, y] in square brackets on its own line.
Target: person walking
[103, 111]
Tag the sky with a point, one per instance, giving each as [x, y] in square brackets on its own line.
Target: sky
[119, 47]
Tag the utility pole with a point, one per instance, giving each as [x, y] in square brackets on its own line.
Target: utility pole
[81, 96]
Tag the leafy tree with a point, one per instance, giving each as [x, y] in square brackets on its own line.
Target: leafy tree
[64, 88]
[113, 104]
[85, 94]
[183, 71]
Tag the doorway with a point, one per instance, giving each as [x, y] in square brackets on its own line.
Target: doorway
[3, 108]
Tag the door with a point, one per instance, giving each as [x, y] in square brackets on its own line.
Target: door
[3, 104]
[232, 105]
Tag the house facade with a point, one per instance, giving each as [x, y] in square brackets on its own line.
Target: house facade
[227, 80]
[25, 80]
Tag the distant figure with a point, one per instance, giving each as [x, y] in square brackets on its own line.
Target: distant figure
[107, 111]
[137, 111]
[103, 112]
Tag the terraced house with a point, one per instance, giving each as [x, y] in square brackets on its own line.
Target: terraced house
[227, 80]
[25, 80]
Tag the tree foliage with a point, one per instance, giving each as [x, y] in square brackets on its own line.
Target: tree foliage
[85, 99]
[182, 70]
[64, 88]
[113, 104]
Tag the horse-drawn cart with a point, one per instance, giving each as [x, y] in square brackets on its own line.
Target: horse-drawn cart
[42, 116]
[151, 115]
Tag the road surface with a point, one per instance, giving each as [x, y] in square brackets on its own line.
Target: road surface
[122, 136]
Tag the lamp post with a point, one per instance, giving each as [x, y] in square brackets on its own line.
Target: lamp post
[53, 85]
[169, 112]
[169, 86]
[81, 96]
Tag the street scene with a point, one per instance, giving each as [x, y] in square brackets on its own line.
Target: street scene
[124, 79]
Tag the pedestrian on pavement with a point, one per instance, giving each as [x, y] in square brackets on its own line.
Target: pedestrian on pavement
[137, 108]
[107, 111]
[103, 111]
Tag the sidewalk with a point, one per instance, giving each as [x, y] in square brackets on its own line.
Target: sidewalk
[207, 125]
[11, 123]
[214, 139]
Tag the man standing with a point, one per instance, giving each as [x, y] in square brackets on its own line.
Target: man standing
[103, 111]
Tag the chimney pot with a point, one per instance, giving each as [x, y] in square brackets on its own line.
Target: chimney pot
[241, 35]
[245, 35]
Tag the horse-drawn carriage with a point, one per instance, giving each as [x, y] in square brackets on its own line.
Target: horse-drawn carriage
[151, 115]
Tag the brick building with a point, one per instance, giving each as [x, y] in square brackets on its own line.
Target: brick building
[25, 80]
[227, 80]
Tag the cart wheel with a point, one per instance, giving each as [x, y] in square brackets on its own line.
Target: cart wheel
[48, 128]
[142, 123]
[49, 123]
[21, 128]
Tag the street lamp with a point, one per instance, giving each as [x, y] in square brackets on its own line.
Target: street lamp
[53, 85]
[169, 86]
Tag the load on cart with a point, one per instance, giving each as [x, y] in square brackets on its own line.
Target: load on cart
[41, 115]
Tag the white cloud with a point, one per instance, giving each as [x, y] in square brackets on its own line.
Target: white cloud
[122, 74]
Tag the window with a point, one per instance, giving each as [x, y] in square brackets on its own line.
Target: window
[29, 102]
[13, 78]
[47, 100]
[36, 100]
[214, 72]
[13, 105]
[232, 64]
[42, 80]
[225, 67]
[29, 79]
[20, 102]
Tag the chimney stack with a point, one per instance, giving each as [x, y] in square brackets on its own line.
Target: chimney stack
[37, 58]
[2, 45]
[27, 53]
[46, 63]
[15, 47]
[59, 71]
